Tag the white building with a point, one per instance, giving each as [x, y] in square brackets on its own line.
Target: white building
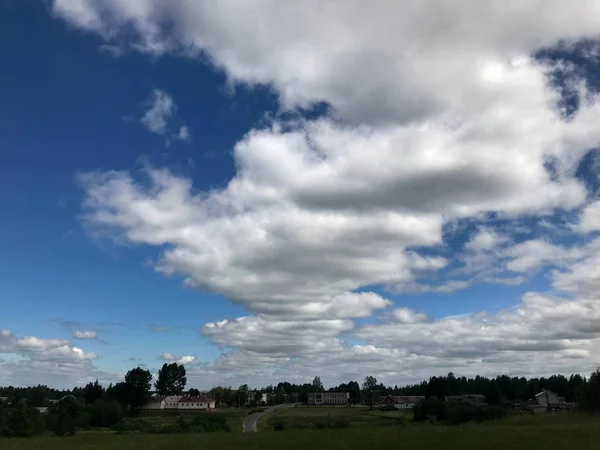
[257, 398]
[547, 397]
[171, 401]
[402, 401]
[198, 402]
[155, 403]
[328, 398]
[180, 402]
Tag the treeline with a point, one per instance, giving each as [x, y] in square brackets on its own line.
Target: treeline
[87, 407]
[95, 406]
[500, 389]
[135, 389]
[496, 390]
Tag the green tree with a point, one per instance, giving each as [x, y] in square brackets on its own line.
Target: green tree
[194, 392]
[317, 384]
[369, 391]
[60, 422]
[23, 421]
[93, 392]
[137, 386]
[171, 379]
[591, 398]
[243, 394]
[354, 391]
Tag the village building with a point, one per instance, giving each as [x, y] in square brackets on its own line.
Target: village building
[402, 401]
[328, 398]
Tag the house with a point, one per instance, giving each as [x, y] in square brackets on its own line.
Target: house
[470, 399]
[547, 401]
[171, 401]
[328, 398]
[402, 401]
[257, 398]
[180, 402]
[196, 402]
[157, 402]
[545, 397]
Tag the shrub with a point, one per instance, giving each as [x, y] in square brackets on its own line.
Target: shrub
[128, 425]
[21, 421]
[105, 413]
[278, 426]
[60, 422]
[198, 424]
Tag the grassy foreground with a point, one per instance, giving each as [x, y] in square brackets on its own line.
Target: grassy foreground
[563, 432]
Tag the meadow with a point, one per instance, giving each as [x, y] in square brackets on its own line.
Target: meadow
[365, 429]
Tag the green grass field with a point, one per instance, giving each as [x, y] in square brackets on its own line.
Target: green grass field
[367, 430]
[310, 417]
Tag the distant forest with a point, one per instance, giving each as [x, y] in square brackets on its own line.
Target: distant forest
[496, 390]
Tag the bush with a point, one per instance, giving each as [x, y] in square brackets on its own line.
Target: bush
[199, 424]
[456, 413]
[278, 426]
[60, 422]
[128, 425]
[426, 409]
[21, 422]
[105, 413]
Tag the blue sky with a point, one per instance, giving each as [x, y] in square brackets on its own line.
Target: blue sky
[165, 172]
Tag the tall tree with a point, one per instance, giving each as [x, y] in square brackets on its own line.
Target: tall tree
[354, 391]
[194, 392]
[138, 382]
[369, 389]
[92, 392]
[243, 395]
[317, 384]
[171, 379]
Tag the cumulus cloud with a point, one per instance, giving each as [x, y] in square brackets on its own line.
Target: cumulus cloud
[53, 361]
[533, 254]
[394, 50]
[583, 276]
[85, 334]
[589, 219]
[177, 359]
[438, 113]
[486, 239]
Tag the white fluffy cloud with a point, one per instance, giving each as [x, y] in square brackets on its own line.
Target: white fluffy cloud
[42, 349]
[439, 113]
[373, 62]
[52, 361]
[486, 239]
[177, 359]
[589, 220]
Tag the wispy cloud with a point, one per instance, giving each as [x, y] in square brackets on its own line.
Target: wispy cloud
[161, 328]
[85, 334]
[160, 115]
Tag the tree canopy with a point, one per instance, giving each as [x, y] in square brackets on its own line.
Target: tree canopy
[171, 379]
[318, 384]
